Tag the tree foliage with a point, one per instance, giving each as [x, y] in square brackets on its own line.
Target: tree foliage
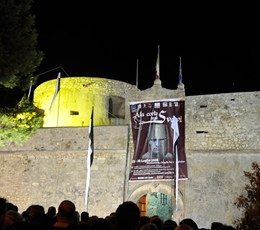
[18, 40]
[249, 203]
[19, 123]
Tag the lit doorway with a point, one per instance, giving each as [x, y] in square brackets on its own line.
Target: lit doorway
[156, 204]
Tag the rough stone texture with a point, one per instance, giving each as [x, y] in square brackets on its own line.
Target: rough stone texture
[52, 167]
[223, 121]
[215, 179]
[222, 141]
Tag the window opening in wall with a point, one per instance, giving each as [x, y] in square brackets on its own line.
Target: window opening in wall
[116, 107]
[203, 106]
[199, 132]
[232, 100]
[74, 112]
[163, 199]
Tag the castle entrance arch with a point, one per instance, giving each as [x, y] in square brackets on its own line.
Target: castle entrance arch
[161, 192]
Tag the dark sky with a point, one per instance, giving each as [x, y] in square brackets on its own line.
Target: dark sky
[219, 44]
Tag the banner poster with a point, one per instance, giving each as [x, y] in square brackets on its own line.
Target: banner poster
[158, 129]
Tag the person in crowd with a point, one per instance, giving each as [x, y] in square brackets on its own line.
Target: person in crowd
[169, 223]
[36, 216]
[11, 206]
[2, 211]
[24, 226]
[51, 212]
[112, 220]
[215, 225]
[12, 217]
[184, 227]
[66, 215]
[142, 221]
[226, 227]
[84, 216]
[51, 216]
[149, 226]
[100, 224]
[190, 223]
[127, 215]
[157, 221]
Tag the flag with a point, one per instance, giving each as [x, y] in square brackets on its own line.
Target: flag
[157, 66]
[180, 73]
[175, 128]
[57, 89]
[30, 89]
[176, 134]
[91, 138]
[90, 156]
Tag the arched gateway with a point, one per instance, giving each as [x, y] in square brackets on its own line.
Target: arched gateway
[158, 187]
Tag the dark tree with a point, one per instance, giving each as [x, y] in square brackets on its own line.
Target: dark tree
[18, 40]
[18, 61]
[249, 202]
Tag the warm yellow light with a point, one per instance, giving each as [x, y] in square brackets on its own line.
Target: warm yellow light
[74, 102]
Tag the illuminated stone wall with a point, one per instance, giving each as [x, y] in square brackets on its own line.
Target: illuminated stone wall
[109, 98]
[51, 167]
[222, 140]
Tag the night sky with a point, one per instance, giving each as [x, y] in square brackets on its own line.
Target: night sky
[219, 44]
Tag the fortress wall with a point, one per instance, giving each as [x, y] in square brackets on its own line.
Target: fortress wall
[216, 179]
[51, 166]
[223, 121]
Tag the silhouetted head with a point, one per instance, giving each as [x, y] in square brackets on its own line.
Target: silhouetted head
[216, 225]
[51, 211]
[127, 215]
[189, 222]
[149, 227]
[67, 209]
[184, 227]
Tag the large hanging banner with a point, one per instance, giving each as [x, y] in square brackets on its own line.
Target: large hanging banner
[158, 129]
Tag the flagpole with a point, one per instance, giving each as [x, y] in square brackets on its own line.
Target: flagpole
[136, 83]
[176, 176]
[157, 65]
[180, 72]
[159, 73]
[58, 112]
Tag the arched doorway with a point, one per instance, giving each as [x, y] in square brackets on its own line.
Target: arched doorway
[156, 203]
[160, 188]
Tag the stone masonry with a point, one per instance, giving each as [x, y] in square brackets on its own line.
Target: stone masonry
[222, 141]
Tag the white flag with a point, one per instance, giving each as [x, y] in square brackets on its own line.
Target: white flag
[57, 89]
[176, 134]
[90, 156]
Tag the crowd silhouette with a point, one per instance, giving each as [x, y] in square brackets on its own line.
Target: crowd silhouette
[126, 217]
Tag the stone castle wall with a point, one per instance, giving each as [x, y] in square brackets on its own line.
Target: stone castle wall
[223, 121]
[222, 141]
[51, 167]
